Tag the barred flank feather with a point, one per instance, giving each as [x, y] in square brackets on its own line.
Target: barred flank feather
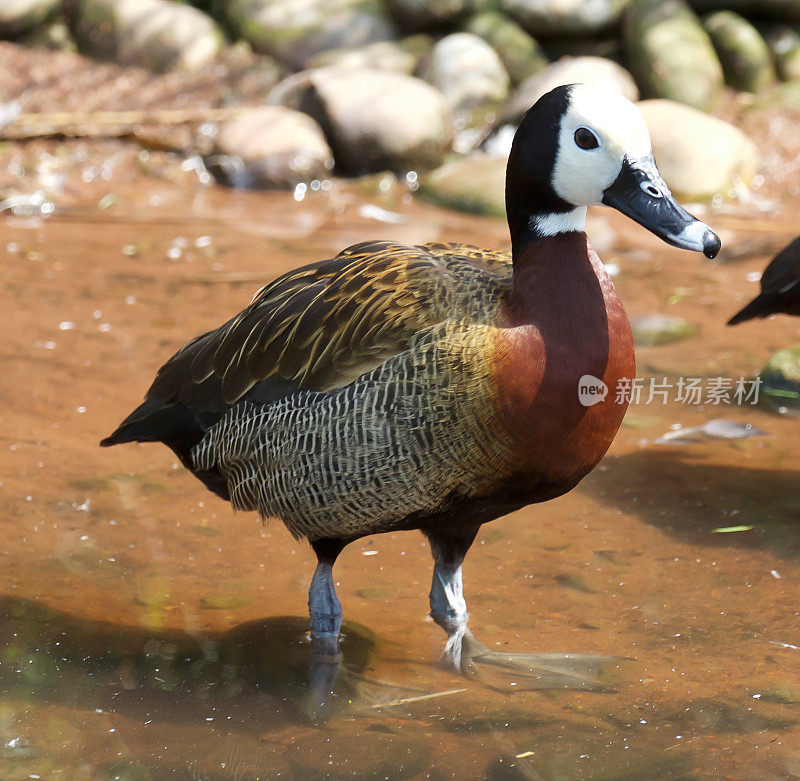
[401, 439]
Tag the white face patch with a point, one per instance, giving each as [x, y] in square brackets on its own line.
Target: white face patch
[581, 175]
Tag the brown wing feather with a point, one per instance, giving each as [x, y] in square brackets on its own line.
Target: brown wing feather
[323, 325]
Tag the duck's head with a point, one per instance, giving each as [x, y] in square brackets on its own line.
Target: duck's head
[582, 145]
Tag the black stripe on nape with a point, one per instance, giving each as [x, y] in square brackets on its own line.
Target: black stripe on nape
[529, 188]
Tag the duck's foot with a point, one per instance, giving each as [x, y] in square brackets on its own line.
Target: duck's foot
[463, 654]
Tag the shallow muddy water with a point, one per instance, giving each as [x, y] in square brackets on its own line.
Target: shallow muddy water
[147, 631]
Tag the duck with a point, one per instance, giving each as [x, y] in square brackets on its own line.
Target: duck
[780, 287]
[432, 387]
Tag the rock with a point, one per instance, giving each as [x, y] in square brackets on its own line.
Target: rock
[19, 16]
[697, 154]
[419, 45]
[564, 17]
[784, 43]
[670, 54]
[521, 54]
[270, 146]
[467, 71]
[572, 70]
[416, 15]
[784, 10]
[374, 120]
[55, 36]
[154, 34]
[780, 389]
[295, 31]
[381, 55]
[658, 329]
[471, 184]
[745, 57]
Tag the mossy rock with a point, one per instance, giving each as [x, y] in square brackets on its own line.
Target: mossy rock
[565, 17]
[657, 329]
[471, 184]
[670, 54]
[520, 53]
[780, 389]
[295, 32]
[745, 56]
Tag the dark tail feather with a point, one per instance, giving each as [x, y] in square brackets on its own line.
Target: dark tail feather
[760, 306]
[178, 427]
[149, 422]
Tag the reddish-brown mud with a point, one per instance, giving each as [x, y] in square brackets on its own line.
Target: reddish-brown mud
[147, 631]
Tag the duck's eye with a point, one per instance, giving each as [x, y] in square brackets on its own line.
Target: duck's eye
[585, 139]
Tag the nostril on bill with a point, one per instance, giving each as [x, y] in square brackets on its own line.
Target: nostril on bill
[650, 189]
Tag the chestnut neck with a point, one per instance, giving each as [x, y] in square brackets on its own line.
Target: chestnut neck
[555, 280]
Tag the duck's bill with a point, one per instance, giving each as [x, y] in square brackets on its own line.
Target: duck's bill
[640, 193]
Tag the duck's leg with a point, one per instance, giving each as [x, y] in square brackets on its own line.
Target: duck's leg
[448, 606]
[325, 611]
[465, 655]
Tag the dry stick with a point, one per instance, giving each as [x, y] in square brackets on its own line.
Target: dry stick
[76, 123]
[420, 698]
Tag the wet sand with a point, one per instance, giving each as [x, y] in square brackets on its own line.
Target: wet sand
[150, 632]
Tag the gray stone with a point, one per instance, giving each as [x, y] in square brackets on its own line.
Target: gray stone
[658, 329]
[745, 56]
[416, 15]
[783, 10]
[472, 184]
[154, 34]
[670, 54]
[19, 16]
[381, 55]
[270, 146]
[780, 390]
[295, 31]
[570, 70]
[374, 120]
[697, 154]
[784, 43]
[520, 53]
[467, 71]
[564, 17]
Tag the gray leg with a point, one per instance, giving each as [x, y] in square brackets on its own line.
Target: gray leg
[448, 606]
[325, 611]
[324, 606]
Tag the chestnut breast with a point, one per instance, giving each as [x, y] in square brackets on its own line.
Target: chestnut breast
[563, 322]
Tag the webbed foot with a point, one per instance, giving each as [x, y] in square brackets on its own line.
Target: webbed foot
[465, 655]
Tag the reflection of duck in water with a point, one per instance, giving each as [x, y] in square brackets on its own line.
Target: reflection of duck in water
[780, 287]
[431, 387]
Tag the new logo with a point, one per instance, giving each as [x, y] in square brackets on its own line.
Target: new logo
[591, 390]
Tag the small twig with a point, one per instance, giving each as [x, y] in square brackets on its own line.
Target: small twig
[421, 697]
